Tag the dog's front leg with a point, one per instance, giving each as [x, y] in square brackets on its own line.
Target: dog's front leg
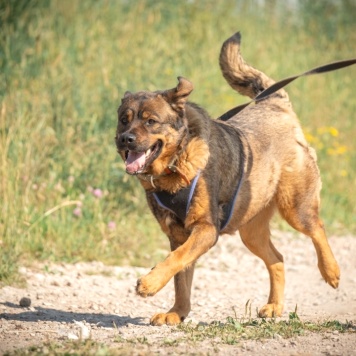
[179, 263]
[181, 308]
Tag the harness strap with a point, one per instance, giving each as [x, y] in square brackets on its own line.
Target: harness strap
[282, 83]
[229, 208]
[179, 203]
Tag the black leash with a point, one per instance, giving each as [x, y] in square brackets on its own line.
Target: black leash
[282, 83]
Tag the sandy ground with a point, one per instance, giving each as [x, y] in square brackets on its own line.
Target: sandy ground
[67, 300]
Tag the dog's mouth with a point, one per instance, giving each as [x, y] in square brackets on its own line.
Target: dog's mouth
[137, 162]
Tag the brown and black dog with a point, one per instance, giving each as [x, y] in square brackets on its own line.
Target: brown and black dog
[207, 177]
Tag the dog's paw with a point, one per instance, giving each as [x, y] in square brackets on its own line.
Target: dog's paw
[143, 288]
[149, 285]
[171, 318]
[330, 273]
[271, 311]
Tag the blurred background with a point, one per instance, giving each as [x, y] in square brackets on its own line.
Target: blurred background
[64, 66]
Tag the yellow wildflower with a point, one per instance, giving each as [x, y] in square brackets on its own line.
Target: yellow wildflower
[333, 131]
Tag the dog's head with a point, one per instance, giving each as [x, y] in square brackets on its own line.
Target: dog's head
[151, 128]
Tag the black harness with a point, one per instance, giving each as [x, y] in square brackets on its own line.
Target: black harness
[179, 203]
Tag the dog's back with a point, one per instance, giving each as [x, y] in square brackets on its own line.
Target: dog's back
[276, 142]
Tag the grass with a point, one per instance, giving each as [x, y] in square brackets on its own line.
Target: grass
[64, 65]
[235, 330]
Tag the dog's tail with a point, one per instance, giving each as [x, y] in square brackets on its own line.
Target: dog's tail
[242, 77]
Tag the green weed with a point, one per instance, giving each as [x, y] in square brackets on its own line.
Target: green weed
[235, 330]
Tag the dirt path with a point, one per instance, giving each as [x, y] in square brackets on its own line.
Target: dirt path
[102, 299]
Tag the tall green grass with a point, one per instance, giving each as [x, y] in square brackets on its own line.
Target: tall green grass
[64, 67]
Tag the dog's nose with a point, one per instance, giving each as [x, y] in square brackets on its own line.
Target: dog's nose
[128, 138]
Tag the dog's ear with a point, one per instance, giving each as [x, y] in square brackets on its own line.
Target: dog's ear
[126, 95]
[178, 96]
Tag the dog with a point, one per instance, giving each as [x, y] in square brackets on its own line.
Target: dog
[205, 177]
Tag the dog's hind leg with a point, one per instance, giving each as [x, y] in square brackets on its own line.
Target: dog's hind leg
[180, 310]
[256, 236]
[299, 206]
[327, 264]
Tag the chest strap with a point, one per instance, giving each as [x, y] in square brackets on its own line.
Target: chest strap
[179, 203]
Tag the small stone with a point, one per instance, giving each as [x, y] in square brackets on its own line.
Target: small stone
[277, 336]
[85, 331]
[72, 336]
[23, 270]
[25, 302]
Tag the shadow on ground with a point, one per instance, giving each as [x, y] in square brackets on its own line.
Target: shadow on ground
[49, 314]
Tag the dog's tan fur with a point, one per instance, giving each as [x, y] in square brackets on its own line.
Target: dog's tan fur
[263, 145]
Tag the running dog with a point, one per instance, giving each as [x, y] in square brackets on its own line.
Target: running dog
[207, 177]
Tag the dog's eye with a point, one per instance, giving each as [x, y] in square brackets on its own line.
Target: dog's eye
[124, 120]
[150, 122]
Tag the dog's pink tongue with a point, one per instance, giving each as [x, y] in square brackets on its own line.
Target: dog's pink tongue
[135, 161]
